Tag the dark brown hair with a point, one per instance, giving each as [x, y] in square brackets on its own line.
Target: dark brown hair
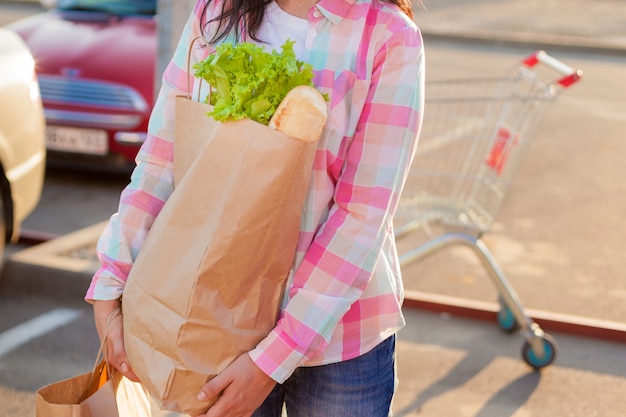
[249, 13]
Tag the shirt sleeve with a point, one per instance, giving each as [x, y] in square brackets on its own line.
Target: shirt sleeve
[339, 264]
[151, 182]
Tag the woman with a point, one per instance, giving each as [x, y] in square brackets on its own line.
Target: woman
[332, 352]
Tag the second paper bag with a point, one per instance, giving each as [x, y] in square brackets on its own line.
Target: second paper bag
[208, 282]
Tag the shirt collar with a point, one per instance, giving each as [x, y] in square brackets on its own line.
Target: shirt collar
[335, 10]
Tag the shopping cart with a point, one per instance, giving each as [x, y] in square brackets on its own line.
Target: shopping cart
[474, 134]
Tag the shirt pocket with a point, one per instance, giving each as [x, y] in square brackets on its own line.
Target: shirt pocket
[349, 94]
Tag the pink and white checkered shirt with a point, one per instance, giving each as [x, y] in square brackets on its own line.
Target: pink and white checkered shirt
[345, 292]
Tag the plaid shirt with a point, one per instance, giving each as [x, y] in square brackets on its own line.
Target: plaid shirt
[344, 293]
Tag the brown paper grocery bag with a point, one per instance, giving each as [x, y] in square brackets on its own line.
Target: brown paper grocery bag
[93, 394]
[62, 398]
[208, 282]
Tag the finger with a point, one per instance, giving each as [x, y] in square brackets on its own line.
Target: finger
[122, 364]
[212, 388]
[128, 372]
[243, 386]
[118, 357]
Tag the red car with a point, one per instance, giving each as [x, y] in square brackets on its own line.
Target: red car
[95, 63]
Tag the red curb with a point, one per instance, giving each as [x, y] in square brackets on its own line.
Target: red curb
[31, 237]
[564, 323]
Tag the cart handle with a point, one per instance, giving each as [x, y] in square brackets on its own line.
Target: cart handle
[570, 74]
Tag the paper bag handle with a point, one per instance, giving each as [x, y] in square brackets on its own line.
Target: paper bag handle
[101, 372]
[193, 41]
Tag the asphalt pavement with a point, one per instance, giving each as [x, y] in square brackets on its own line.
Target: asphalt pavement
[452, 359]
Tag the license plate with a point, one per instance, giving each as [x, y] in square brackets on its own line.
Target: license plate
[77, 140]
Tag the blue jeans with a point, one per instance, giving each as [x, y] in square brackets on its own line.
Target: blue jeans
[359, 387]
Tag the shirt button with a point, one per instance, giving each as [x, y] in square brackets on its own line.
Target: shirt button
[316, 13]
[313, 32]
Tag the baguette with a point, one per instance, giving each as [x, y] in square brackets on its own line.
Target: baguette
[301, 114]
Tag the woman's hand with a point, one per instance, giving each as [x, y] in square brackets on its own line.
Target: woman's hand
[107, 312]
[243, 388]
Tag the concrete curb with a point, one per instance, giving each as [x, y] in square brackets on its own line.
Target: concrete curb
[528, 40]
[60, 268]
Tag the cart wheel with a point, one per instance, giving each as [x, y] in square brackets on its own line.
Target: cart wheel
[506, 319]
[550, 349]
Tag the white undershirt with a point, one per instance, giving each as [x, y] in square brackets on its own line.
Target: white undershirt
[278, 26]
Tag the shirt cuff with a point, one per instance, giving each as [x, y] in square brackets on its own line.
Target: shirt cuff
[104, 287]
[277, 356]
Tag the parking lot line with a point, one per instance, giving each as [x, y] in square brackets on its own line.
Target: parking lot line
[25, 332]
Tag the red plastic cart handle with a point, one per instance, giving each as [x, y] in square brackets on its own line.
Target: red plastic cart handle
[571, 75]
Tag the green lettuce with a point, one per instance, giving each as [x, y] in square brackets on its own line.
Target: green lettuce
[247, 81]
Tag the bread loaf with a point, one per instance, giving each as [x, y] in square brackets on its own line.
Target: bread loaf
[301, 114]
